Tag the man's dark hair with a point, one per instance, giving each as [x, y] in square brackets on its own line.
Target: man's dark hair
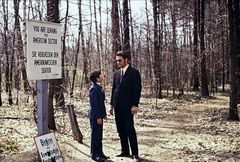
[122, 54]
[94, 75]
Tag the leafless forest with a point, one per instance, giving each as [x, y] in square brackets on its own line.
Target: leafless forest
[180, 47]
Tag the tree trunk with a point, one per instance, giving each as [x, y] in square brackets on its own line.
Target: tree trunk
[116, 43]
[148, 51]
[237, 42]
[6, 51]
[108, 60]
[77, 53]
[17, 44]
[19, 53]
[77, 134]
[233, 17]
[102, 56]
[85, 56]
[22, 57]
[132, 50]
[97, 36]
[221, 13]
[126, 36]
[204, 77]
[195, 49]
[157, 51]
[174, 53]
[55, 86]
[64, 42]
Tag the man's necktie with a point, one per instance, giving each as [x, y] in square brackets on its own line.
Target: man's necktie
[121, 75]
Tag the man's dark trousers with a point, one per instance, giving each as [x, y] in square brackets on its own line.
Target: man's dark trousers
[126, 131]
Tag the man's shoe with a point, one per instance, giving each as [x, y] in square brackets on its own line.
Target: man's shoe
[123, 155]
[105, 157]
[136, 158]
[98, 159]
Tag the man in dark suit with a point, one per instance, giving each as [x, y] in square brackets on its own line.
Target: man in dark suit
[96, 115]
[126, 92]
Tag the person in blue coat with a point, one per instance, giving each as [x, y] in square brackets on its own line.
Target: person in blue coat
[96, 115]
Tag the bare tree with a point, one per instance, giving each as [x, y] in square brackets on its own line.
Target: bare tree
[6, 51]
[101, 54]
[132, 50]
[55, 87]
[223, 44]
[85, 57]
[174, 76]
[126, 36]
[116, 45]
[97, 36]
[204, 77]
[22, 56]
[77, 51]
[18, 52]
[64, 40]
[234, 33]
[195, 49]
[156, 43]
[148, 49]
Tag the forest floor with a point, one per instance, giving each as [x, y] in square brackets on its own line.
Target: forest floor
[182, 130]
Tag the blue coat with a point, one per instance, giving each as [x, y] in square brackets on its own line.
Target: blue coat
[97, 105]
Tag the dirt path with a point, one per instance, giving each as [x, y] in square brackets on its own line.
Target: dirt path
[178, 130]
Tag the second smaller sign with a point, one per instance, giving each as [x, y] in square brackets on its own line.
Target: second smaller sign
[48, 148]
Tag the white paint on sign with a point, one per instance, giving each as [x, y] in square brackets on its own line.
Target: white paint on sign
[43, 50]
[48, 148]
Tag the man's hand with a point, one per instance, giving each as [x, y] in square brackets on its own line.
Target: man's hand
[134, 109]
[99, 121]
[105, 119]
[111, 110]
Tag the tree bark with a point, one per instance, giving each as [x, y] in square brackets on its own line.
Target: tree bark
[126, 36]
[64, 41]
[77, 134]
[85, 56]
[6, 51]
[204, 77]
[116, 43]
[77, 53]
[23, 56]
[195, 49]
[97, 36]
[132, 50]
[148, 51]
[157, 51]
[55, 86]
[174, 53]
[233, 17]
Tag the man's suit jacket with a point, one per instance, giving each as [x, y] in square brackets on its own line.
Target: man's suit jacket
[126, 93]
[97, 105]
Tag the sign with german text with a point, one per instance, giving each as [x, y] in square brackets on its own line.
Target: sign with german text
[48, 148]
[43, 50]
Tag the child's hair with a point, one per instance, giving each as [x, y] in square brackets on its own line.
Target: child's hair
[94, 75]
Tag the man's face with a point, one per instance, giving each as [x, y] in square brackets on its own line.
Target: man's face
[121, 62]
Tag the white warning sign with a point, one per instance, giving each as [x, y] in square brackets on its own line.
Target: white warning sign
[43, 50]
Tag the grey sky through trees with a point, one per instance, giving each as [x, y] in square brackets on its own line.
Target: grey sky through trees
[137, 7]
